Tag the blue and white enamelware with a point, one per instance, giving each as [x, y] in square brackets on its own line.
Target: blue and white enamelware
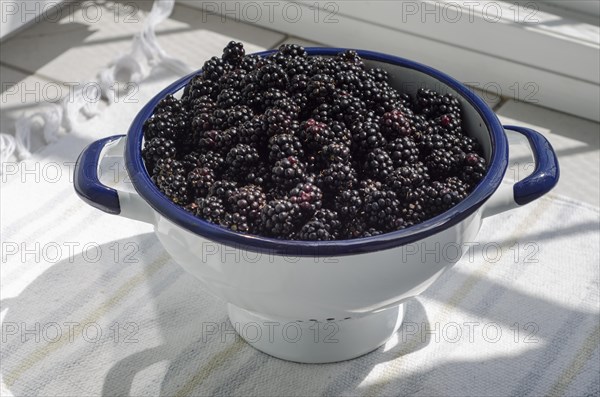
[332, 300]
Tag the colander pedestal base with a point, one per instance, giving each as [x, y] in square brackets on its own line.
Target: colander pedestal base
[316, 341]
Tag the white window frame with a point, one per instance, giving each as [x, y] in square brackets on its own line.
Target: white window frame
[534, 52]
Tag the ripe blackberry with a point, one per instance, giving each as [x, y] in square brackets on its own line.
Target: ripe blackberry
[200, 181]
[433, 104]
[351, 57]
[335, 153]
[288, 172]
[289, 106]
[279, 218]
[217, 141]
[442, 163]
[383, 98]
[413, 213]
[382, 209]
[315, 230]
[233, 80]
[270, 96]
[249, 62]
[284, 145]
[404, 180]
[296, 66]
[199, 87]
[378, 164]
[366, 136]
[449, 123]
[314, 135]
[308, 197]
[441, 196]
[323, 113]
[278, 121]
[241, 160]
[211, 209]
[228, 97]
[254, 132]
[233, 53]
[395, 124]
[293, 50]
[157, 149]
[170, 177]
[208, 159]
[330, 219]
[260, 175]
[474, 169]
[272, 76]
[337, 176]
[248, 201]
[168, 121]
[341, 134]
[348, 203]
[347, 108]
[298, 83]
[378, 74]
[223, 189]
[320, 88]
[403, 151]
[235, 222]
[214, 68]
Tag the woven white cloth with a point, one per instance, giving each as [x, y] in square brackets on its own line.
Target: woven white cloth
[92, 305]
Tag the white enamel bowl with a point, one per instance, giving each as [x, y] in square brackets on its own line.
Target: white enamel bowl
[321, 301]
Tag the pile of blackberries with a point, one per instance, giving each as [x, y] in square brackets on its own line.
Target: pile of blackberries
[302, 147]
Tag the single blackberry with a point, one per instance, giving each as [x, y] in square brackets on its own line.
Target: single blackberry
[223, 189]
[351, 57]
[252, 96]
[284, 145]
[323, 113]
[442, 163]
[340, 134]
[249, 62]
[248, 201]
[233, 53]
[382, 209]
[279, 218]
[379, 75]
[348, 203]
[214, 68]
[298, 83]
[289, 106]
[320, 88]
[157, 149]
[348, 82]
[208, 159]
[241, 160]
[347, 108]
[315, 230]
[237, 115]
[441, 196]
[271, 96]
[260, 175]
[433, 104]
[403, 151]
[330, 219]
[404, 180]
[210, 209]
[308, 197]
[314, 135]
[277, 121]
[170, 177]
[199, 87]
[228, 97]
[413, 213]
[296, 66]
[474, 169]
[272, 76]
[437, 140]
[168, 121]
[288, 172]
[395, 124]
[200, 181]
[293, 50]
[235, 222]
[449, 123]
[233, 80]
[217, 141]
[337, 176]
[366, 136]
[335, 153]
[254, 132]
[383, 99]
[378, 164]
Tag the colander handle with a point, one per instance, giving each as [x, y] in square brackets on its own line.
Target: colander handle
[543, 179]
[88, 186]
